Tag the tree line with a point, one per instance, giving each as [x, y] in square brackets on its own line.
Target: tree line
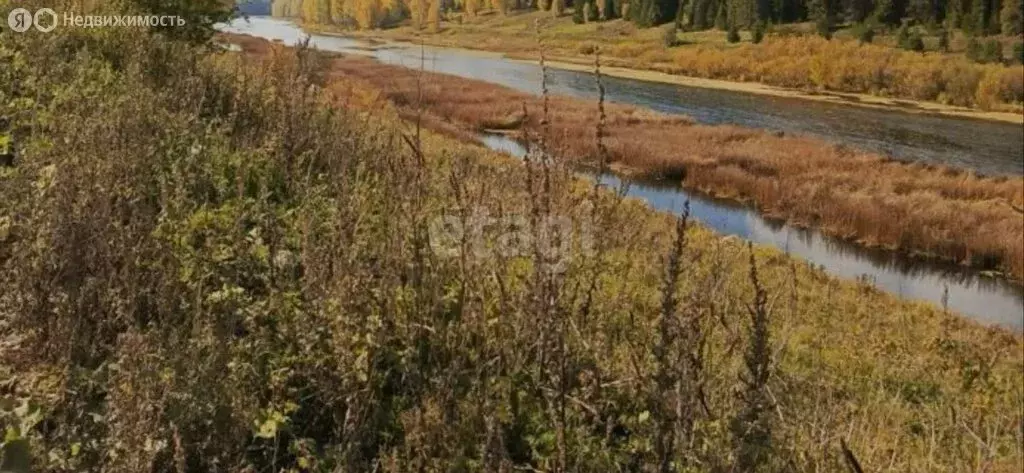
[973, 17]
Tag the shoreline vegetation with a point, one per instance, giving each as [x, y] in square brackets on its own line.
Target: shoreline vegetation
[616, 67]
[221, 262]
[791, 62]
[922, 210]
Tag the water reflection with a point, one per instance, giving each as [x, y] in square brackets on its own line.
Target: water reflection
[988, 147]
[988, 300]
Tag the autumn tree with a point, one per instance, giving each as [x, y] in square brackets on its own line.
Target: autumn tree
[434, 16]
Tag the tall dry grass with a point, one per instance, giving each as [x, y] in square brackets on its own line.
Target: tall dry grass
[210, 264]
[794, 61]
[846, 66]
[921, 209]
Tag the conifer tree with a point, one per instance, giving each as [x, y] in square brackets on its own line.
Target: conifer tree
[859, 10]
[980, 12]
[824, 17]
[954, 13]
[888, 12]
[722, 17]
[1011, 17]
[734, 34]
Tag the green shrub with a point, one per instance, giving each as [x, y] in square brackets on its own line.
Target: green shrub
[865, 33]
[669, 36]
[992, 52]
[757, 35]
[1018, 52]
[989, 52]
[824, 27]
[915, 43]
[909, 40]
[903, 36]
[734, 35]
[973, 50]
[944, 40]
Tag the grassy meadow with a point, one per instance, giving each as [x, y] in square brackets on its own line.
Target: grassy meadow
[219, 262]
[925, 210]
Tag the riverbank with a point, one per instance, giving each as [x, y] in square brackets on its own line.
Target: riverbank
[263, 271]
[922, 210]
[584, 64]
[640, 56]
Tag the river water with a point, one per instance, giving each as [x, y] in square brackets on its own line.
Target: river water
[988, 147]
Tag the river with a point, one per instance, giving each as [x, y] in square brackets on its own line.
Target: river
[987, 147]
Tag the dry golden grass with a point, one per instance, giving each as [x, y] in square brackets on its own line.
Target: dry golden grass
[239, 283]
[803, 61]
[927, 210]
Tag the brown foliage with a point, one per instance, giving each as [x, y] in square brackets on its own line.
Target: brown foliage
[917, 208]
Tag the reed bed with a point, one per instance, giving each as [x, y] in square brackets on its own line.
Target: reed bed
[926, 210]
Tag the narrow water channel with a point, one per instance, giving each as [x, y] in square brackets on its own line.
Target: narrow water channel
[988, 147]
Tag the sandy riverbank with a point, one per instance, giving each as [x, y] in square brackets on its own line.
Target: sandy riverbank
[586, 64]
[941, 212]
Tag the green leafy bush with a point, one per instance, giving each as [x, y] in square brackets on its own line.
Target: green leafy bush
[734, 35]
[757, 34]
[865, 33]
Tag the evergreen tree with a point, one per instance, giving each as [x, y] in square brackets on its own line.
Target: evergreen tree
[742, 13]
[722, 18]
[701, 16]
[1011, 17]
[757, 35]
[889, 12]
[734, 34]
[944, 40]
[648, 13]
[980, 17]
[992, 52]
[974, 50]
[922, 10]
[955, 13]
[764, 12]
[824, 17]
[788, 11]
[859, 10]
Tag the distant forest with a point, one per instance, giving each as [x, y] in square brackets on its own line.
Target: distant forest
[973, 17]
[254, 7]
